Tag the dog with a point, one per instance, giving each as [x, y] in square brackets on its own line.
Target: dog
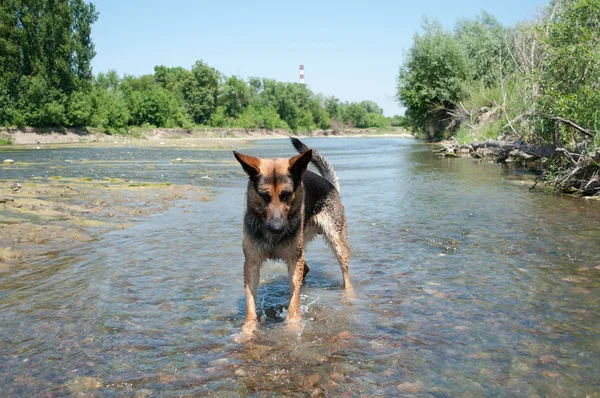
[286, 206]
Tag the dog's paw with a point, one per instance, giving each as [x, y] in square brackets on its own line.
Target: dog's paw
[250, 327]
[349, 294]
[248, 332]
[294, 327]
[242, 338]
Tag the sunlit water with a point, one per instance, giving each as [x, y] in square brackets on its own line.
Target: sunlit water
[466, 284]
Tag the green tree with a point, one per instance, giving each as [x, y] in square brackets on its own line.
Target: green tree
[356, 115]
[483, 42]
[432, 77]
[45, 54]
[569, 77]
[235, 96]
[200, 92]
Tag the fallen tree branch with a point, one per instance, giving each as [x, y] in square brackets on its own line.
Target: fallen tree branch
[568, 154]
[521, 116]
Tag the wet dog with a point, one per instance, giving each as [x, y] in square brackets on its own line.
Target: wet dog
[286, 206]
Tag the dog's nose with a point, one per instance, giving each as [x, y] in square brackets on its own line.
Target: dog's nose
[276, 226]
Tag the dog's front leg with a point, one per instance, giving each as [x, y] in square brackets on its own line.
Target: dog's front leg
[296, 275]
[251, 279]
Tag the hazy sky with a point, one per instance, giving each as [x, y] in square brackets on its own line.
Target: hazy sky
[350, 49]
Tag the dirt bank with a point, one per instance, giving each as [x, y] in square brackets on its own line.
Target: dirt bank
[34, 136]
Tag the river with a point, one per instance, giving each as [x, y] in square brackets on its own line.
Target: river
[466, 284]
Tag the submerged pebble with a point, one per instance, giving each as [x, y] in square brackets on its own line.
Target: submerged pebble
[409, 387]
[83, 384]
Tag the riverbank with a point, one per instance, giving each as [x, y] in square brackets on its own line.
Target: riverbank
[571, 172]
[43, 215]
[51, 136]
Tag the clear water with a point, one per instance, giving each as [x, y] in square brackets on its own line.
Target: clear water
[467, 284]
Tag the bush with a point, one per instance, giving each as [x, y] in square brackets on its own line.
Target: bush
[80, 109]
[431, 79]
[111, 113]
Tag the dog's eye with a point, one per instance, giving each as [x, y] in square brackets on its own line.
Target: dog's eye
[265, 196]
[285, 196]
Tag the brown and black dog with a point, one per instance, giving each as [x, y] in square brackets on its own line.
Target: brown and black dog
[286, 206]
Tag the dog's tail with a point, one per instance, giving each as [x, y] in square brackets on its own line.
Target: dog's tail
[325, 169]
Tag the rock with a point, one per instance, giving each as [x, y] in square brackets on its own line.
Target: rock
[143, 393]
[408, 387]
[6, 199]
[16, 186]
[219, 362]
[83, 384]
[8, 253]
[552, 375]
[545, 359]
[240, 372]
[8, 161]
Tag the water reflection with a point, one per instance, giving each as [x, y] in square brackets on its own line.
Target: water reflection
[467, 284]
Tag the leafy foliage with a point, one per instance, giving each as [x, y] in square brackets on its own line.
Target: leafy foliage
[46, 80]
[569, 75]
[432, 76]
[528, 78]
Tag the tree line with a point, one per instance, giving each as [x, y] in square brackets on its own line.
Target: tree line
[46, 80]
[538, 80]
[535, 84]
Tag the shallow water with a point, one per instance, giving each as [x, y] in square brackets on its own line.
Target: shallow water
[467, 284]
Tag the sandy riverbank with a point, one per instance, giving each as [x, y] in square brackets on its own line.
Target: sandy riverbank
[207, 137]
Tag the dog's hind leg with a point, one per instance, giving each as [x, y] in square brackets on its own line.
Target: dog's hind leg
[335, 234]
[305, 271]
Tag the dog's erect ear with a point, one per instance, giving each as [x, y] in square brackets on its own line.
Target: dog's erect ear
[298, 164]
[250, 164]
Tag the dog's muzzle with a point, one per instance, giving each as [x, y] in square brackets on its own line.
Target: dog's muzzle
[276, 226]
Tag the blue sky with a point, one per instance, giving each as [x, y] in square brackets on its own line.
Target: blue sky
[350, 49]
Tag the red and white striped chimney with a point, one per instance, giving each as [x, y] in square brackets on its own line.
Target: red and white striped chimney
[301, 74]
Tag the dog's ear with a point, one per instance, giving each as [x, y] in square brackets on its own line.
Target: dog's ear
[298, 164]
[250, 164]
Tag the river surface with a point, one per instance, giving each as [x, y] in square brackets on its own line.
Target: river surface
[466, 284]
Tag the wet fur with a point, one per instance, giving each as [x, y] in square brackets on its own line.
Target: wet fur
[314, 207]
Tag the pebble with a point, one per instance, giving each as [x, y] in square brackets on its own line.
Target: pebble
[545, 359]
[410, 387]
[8, 161]
[219, 362]
[84, 384]
[6, 199]
[552, 375]
[240, 372]
[16, 186]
